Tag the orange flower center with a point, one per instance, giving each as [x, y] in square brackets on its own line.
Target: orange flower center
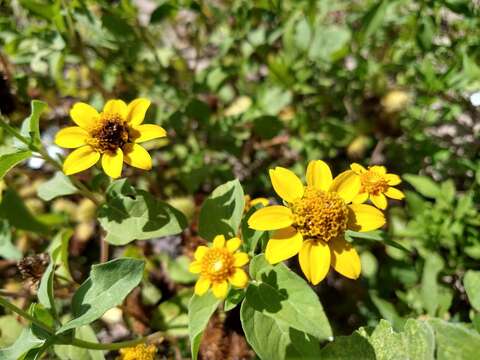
[217, 265]
[139, 352]
[320, 214]
[109, 134]
[373, 182]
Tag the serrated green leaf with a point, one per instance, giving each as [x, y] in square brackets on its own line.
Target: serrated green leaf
[222, 211]
[8, 161]
[471, 282]
[58, 185]
[200, 309]
[130, 214]
[107, 286]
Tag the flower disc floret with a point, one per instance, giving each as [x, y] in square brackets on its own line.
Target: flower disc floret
[373, 182]
[217, 265]
[109, 134]
[139, 352]
[320, 214]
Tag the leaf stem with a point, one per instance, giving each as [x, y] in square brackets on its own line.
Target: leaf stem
[157, 336]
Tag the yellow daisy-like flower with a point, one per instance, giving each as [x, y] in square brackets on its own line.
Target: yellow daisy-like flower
[112, 135]
[376, 183]
[249, 202]
[314, 219]
[219, 265]
[139, 352]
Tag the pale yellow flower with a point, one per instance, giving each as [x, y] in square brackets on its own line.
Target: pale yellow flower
[249, 202]
[313, 221]
[218, 266]
[112, 135]
[376, 183]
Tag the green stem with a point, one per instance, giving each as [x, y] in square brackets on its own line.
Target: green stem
[78, 342]
[5, 303]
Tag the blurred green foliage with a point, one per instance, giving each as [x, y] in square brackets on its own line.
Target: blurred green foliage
[242, 86]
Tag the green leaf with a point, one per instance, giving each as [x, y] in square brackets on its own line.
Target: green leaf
[374, 19]
[354, 346]
[283, 295]
[14, 210]
[25, 342]
[200, 309]
[58, 251]
[70, 352]
[177, 269]
[272, 338]
[234, 297]
[31, 125]
[471, 282]
[281, 315]
[45, 294]
[107, 286]
[424, 185]
[252, 237]
[416, 341]
[171, 316]
[130, 214]
[222, 211]
[430, 292]
[10, 330]
[7, 249]
[8, 161]
[329, 43]
[58, 185]
[455, 341]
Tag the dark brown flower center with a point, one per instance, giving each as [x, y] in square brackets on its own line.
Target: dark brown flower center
[111, 133]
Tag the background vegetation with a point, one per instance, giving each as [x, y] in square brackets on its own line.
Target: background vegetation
[242, 86]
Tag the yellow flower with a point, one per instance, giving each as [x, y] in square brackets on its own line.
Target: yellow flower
[249, 202]
[375, 185]
[219, 265]
[313, 221]
[113, 135]
[139, 352]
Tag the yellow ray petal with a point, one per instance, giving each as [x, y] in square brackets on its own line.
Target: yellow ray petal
[378, 169]
[71, 137]
[219, 241]
[345, 259]
[271, 218]
[147, 132]
[137, 156]
[284, 244]
[116, 107]
[201, 286]
[84, 115]
[220, 289]
[260, 200]
[357, 168]
[286, 184]
[80, 159]
[137, 110]
[319, 175]
[392, 179]
[233, 244]
[239, 278]
[314, 258]
[200, 252]
[112, 163]
[364, 217]
[240, 259]
[394, 193]
[347, 185]
[195, 267]
[379, 200]
[360, 198]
